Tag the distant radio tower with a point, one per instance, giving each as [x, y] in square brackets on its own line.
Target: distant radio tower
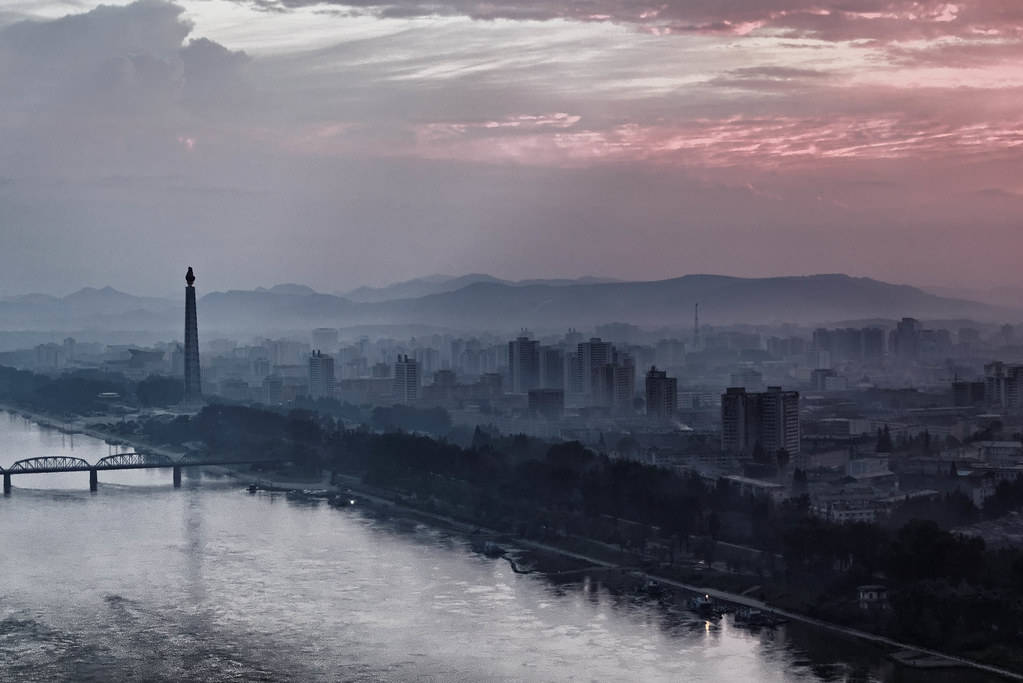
[696, 327]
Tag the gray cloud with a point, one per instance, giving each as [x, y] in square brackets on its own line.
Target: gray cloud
[885, 20]
[523, 150]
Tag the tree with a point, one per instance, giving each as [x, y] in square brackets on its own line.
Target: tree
[884, 441]
[783, 458]
[157, 390]
[714, 525]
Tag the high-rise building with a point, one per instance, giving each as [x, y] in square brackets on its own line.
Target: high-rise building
[769, 418]
[873, 343]
[779, 420]
[406, 380]
[661, 394]
[428, 359]
[614, 383]
[193, 386]
[591, 357]
[966, 394]
[624, 396]
[69, 349]
[322, 383]
[906, 338]
[524, 364]
[552, 368]
[1003, 386]
[273, 389]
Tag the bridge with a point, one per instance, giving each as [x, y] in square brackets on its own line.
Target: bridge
[118, 461]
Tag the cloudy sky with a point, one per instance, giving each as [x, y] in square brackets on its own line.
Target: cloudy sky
[368, 141]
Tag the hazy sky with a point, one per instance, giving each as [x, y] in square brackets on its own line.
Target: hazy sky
[365, 142]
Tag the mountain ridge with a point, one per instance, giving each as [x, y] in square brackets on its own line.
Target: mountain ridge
[493, 304]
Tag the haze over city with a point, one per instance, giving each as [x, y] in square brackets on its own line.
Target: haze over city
[342, 144]
[507, 340]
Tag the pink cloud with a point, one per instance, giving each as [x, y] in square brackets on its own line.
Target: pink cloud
[734, 141]
[885, 20]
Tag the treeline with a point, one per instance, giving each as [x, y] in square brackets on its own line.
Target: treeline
[85, 391]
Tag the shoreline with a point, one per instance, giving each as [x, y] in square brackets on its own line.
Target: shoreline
[380, 499]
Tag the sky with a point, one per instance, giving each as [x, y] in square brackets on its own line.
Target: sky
[371, 141]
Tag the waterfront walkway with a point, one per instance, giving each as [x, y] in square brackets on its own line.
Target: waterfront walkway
[379, 497]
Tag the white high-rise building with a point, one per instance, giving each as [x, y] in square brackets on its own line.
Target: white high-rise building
[406, 380]
[524, 364]
[322, 383]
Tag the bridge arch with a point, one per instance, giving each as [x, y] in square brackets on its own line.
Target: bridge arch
[60, 463]
[125, 460]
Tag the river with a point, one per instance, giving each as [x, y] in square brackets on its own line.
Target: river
[143, 582]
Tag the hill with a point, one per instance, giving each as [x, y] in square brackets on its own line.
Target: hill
[548, 304]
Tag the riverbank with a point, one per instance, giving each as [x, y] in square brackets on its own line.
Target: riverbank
[79, 426]
[593, 559]
[909, 653]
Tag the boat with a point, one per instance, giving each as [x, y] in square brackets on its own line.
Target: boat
[253, 488]
[652, 588]
[488, 548]
[922, 660]
[750, 616]
[701, 604]
[491, 549]
[340, 500]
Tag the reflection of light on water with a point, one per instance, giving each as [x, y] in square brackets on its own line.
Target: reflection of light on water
[706, 626]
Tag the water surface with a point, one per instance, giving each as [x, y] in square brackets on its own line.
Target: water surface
[143, 582]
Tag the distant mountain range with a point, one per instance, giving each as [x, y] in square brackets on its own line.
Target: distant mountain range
[474, 302]
[439, 284]
[1009, 296]
[88, 307]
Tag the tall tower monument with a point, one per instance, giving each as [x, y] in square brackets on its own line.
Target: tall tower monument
[193, 389]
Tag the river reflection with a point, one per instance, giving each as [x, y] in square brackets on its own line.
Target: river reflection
[144, 582]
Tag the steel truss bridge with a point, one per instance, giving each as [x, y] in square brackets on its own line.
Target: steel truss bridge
[118, 461]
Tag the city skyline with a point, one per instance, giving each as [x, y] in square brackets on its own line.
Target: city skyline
[571, 340]
[341, 145]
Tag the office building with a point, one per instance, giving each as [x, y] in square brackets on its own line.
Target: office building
[1003, 386]
[552, 368]
[590, 358]
[273, 389]
[770, 419]
[661, 394]
[406, 380]
[322, 383]
[905, 339]
[524, 364]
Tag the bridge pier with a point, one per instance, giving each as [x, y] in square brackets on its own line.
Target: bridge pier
[7, 483]
[177, 477]
[93, 480]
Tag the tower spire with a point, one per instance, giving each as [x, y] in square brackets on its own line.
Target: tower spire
[193, 386]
